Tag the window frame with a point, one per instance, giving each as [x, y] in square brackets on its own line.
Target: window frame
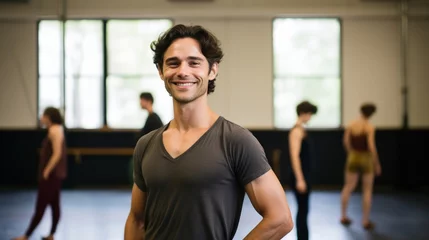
[104, 70]
[340, 67]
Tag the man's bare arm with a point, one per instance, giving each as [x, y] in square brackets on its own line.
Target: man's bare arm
[373, 150]
[269, 200]
[134, 227]
[295, 139]
[56, 136]
[346, 139]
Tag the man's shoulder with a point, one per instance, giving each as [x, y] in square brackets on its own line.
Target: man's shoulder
[145, 139]
[154, 114]
[296, 131]
[235, 132]
[233, 127]
[156, 118]
[55, 131]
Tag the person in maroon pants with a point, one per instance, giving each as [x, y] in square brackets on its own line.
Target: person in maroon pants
[52, 171]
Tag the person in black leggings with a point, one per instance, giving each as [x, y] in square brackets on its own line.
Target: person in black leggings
[52, 171]
[300, 155]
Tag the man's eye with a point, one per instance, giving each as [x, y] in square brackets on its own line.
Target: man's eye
[173, 64]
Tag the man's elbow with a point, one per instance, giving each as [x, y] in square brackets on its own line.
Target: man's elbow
[373, 150]
[54, 160]
[284, 224]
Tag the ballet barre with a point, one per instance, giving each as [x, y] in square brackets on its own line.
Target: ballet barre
[79, 152]
[105, 151]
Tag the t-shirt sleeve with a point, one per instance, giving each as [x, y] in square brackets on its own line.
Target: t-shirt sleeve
[138, 154]
[248, 157]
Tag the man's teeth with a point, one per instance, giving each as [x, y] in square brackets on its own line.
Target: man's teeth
[184, 84]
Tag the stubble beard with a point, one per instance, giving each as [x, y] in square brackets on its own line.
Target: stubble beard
[184, 100]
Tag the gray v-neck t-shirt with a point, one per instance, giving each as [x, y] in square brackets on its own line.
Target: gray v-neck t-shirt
[199, 194]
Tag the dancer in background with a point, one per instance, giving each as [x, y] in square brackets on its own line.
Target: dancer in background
[52, 171]
[300, 155]
[153, 121]
[362, 159]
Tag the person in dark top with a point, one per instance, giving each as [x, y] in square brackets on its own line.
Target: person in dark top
[300, 156]
[153, 121]
[362, 159]
[52, 171]
[191, 176]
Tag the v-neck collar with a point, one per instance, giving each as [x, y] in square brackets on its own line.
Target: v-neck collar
[218, 120]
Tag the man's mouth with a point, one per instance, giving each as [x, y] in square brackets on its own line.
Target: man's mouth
[183, 84]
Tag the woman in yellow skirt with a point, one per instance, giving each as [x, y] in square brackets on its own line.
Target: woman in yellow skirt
[362, 160]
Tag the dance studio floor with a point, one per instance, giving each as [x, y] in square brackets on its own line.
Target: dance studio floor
[101, 214]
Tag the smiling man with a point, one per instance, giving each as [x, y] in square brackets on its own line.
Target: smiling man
[191, 176]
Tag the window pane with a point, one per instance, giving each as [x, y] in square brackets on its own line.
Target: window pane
[49, 48]
[84, 102]
[128, 43]
[84, 69]
[84, 48]
[49, 93]
[325, 93]
[123, 103]
[307, 67]
[306, 47]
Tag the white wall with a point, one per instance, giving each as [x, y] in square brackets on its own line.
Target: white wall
[418, 72]
[371, 53]
[18, 75]
[372, 69]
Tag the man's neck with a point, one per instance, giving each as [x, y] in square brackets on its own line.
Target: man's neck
[363, 119]
[299, 122]
[149, 109]
[196, 114]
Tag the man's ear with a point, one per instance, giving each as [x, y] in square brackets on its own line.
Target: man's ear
[213, 71]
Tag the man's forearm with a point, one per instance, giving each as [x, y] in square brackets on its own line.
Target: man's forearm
[348, 148]
[134, 229]
[269, 229]
[375, 158]
[53, 161]
[296, 167]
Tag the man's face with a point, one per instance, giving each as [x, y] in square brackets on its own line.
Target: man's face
[144, 103]
[306, 117]
[44, 121]
[185, 71]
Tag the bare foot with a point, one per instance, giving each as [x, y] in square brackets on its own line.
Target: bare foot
[21, 238]
[345, 221]
[368, 225]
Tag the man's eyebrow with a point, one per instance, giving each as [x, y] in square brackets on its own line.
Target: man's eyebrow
[195, 58]
[190, 58]
[172, 59]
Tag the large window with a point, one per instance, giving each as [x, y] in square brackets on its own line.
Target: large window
[107, 64]
[84, 74]
[131, 71]
[50, 84]
[307, 67]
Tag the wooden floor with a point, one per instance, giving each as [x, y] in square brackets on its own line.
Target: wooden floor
[101, 214]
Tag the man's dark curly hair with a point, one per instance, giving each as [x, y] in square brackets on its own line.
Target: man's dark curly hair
[306, 107]
[209, 44]
[54, 115]
[368, 109]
